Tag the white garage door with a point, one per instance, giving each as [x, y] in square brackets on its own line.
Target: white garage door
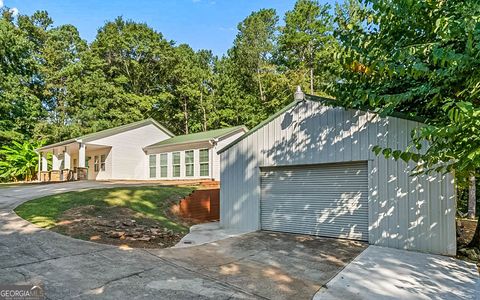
[325, 200]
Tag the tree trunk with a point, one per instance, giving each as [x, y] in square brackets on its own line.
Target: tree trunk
[311, 81]
[472, 198]
[204, 111]
[260, 87]
[185, 114]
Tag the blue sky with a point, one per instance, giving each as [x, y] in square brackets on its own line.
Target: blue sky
[203, 24]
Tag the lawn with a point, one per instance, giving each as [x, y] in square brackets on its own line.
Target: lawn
[93, 214]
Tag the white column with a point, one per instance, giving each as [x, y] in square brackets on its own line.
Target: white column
[39, 166]
[81, 155]
[44, 162]
[55, 161]
[66, 159]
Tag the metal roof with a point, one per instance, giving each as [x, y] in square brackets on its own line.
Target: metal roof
[109, 132]
[197, 137]
[324, 100]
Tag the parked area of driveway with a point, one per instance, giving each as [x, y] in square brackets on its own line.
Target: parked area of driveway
[260, 265]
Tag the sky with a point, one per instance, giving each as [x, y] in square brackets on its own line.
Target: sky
[203, 24]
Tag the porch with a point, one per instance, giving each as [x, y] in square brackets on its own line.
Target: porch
[72, 160]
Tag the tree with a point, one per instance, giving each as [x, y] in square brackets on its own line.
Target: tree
[20, 105]
[306, 43]
[420, 58]
[253, 48]
[472, 197]
[20, 161]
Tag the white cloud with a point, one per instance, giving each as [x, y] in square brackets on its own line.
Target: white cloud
[14, 11]
[1, 3]
[194, 1]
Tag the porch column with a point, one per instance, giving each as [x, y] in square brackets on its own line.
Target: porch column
[44, 162]
[66, 159]
[81, 155]
[39, 166]
[55, 161]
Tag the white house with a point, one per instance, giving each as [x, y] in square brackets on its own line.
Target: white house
[137, 151]
[310, 169]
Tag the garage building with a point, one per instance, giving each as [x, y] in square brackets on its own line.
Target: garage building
[310, 169]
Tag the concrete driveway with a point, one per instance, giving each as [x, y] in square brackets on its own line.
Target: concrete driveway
[259, 265]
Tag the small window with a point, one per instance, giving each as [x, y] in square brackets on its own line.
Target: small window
[102, 162]
[152, 162]
[189, 168]
[95, 163]
[163, 164]
[176, 164]
[204, 162]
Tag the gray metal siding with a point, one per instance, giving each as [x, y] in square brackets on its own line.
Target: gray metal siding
[326, 200]
[406, 212]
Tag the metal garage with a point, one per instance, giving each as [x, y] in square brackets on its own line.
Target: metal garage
[310, 169]
[325, 200]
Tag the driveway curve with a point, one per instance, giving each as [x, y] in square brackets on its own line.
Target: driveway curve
[74, 269]
[259, 265]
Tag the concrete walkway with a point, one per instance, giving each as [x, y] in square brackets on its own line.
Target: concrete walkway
[385, 273]
[259, 265]
[206, 233]
[75, 269]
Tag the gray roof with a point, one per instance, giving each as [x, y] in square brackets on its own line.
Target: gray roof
[109, 132]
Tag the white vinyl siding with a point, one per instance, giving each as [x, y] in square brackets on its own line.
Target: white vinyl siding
[204, 162]
[163, 165]
[176, 164]
[152, 163]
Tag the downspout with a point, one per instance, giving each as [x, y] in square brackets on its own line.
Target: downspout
[214, 143]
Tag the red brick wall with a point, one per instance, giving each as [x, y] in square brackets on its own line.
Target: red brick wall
[201, 205]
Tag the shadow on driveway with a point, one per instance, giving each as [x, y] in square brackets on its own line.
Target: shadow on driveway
[269, 264]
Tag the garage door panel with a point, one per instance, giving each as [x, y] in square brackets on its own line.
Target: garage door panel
[327, 200]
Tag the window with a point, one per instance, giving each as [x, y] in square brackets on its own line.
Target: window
[102, 162]
[163, 164]
[204, 162]
[152, 163]
[176, 164]
[95, 163]
[189, 168]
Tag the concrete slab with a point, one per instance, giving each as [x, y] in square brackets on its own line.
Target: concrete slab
[268, 264]
[385, 273]
[206, 233]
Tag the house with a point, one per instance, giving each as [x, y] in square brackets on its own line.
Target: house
[142, 150]
[310, 169]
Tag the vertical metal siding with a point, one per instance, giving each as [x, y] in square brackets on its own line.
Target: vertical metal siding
[407, 212]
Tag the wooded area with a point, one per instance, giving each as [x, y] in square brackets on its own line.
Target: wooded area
[421, 58]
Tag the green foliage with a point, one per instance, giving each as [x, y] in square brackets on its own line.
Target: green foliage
[421, 58]
[19, 161]
[306, 45]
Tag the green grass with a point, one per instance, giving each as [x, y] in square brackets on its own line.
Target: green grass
[152, 202]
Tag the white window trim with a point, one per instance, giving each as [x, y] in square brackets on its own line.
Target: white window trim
[150, 167]
[209, 163]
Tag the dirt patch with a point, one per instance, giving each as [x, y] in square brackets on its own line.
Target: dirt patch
[116, 226]
[465, 232]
